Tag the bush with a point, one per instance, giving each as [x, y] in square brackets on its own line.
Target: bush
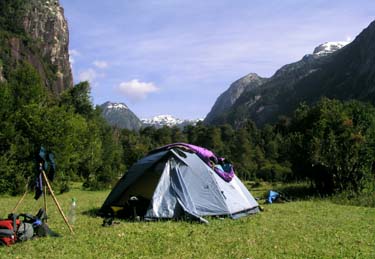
[333, 144]
[274, 172]
[366, 199]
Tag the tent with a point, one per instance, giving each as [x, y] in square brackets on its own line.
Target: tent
[176, 181]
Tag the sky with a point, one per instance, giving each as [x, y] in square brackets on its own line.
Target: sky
[177, 56]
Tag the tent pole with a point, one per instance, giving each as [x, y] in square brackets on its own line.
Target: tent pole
[56, 202]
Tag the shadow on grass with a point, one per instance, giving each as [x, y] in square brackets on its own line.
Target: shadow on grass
[186, 218]
[92, 212]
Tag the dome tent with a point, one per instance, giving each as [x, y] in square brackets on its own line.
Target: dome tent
[175, 181]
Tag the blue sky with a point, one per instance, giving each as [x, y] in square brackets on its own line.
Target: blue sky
[177, 56]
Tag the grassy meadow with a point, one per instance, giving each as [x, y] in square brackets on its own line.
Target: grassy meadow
[315, 228]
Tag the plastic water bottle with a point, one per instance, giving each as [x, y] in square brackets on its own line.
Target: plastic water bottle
[72, 211]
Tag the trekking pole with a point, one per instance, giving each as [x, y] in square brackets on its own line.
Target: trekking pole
[19, 202]
[56, 202]
[45, 200]
[23, 196]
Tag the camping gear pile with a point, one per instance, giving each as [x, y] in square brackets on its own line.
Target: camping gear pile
[179, 181]
[22, 227]
[13, 229]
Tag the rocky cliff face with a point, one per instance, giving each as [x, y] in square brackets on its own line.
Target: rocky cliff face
[41, 38]
[230, 96]
[45, 23]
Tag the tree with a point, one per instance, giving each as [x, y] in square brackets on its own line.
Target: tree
[11, 14]
[333, 142]
[78, 97]
[84, 145]
[26, 86]
[163, 136]
[178, 135]
[227, 137]
[243, 154]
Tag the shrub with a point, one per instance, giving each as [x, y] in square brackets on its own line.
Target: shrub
[333, 144]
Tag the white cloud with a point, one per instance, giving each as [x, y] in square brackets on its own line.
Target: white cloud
[73, 53]
[100, 64]
[136, 90]
[71, 60]
[88, 75]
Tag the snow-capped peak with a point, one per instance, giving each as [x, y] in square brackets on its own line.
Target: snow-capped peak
[164, 119]
[167, 120]
[329, 47]
[117, 106]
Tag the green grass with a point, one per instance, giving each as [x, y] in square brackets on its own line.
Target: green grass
[299, 229]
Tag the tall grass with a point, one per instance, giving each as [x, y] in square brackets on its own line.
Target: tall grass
[365, 199]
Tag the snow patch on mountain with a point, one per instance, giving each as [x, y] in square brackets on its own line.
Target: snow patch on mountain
[168, 120]
[329, 47]
[165, 119]
[116, 106]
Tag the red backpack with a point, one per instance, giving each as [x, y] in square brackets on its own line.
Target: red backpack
[8, 229]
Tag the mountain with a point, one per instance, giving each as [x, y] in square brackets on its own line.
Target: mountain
[253, 93]
[334, 70]
[328, 48]
[118, 114]
[168, 120]
[36, 31]
[230, 96]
